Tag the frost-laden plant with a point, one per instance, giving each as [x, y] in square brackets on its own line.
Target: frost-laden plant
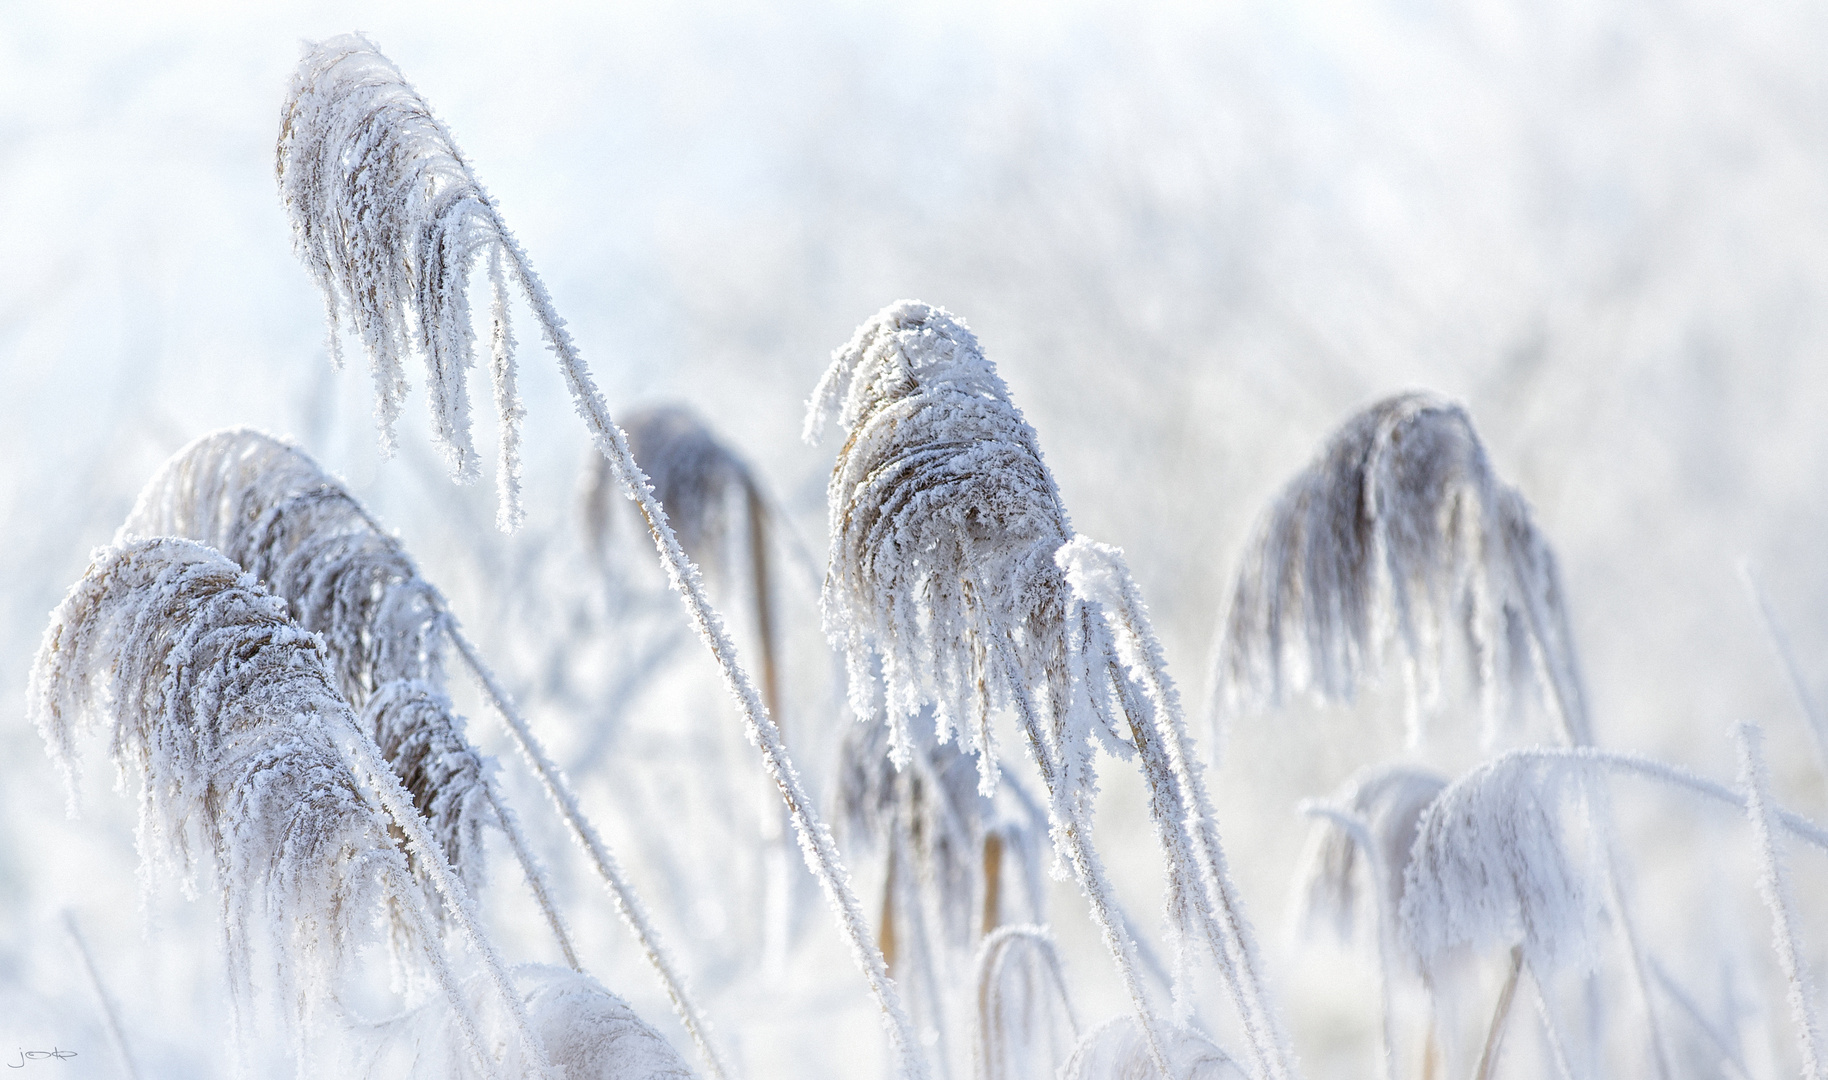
[945, 847]
[1118, 1049]
[227, 713]
[956, 573]
[1400, 532]
[702, 483]
[1025, 1017]
[269, 507]
[1354, 868]
[390, 220]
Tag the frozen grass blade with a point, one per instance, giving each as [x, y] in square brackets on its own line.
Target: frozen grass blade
[1774, 888]
[111, 1015]
[352, 117]
[1023, 1006]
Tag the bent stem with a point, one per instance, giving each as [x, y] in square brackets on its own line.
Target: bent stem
[622, 894]
[110, 1015]
[1374, 862]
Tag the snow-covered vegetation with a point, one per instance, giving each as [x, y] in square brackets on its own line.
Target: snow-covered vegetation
[1423, 683]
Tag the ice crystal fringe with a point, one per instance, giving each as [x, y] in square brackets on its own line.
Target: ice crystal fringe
[1025, 1017]
[955, 572]
[351, 109]
[1399, 532]
[227, 712]
[1118, 1050]
[268, 505]
[1775, 890]
[1490, 867]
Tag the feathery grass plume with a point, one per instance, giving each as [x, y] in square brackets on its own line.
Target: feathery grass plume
[1491, 866]
[270, 507]
[1342, 884]
[267, 506]
[390, 221]
[1399, 532]
[1774, 888]
[591, 1033]
[227, 712]
[355, 136]
[956, 573]
[1118, 1050]
[1025, 1019]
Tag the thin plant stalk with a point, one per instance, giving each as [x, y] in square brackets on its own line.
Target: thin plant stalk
[622, 894]
[1494, 1037]
[1775, 889]
[111, 1017]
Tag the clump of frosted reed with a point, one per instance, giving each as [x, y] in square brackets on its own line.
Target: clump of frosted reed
[1491, 866]
[267, 506]
[1025, 1019]
[227, 713]
[1341, 885]
[354, 138]
[699, 480]
[1400, 533]
[1119, 1050]
[956, 574]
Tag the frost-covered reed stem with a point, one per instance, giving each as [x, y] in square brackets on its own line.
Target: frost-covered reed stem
[399, 805]
[1354, 827]
[993, 1029]
[111, 1017]
[1775, 890]
[622, 894]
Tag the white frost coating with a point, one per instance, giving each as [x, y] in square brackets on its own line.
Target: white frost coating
[312, 221]
[950, 555]
[591, 1033]
[1389, 801]
[1399, 532]
[1491, 868]
[1026, 1025]
[389, 219]
[1117, 1050]
[227, 713]
[1775, 890]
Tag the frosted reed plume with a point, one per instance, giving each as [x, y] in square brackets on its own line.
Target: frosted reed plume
[267, 505]
[228, 714]
[956, 573]
[1400, 534]
[350, 118]
[1344, 885]
[701, 483]
[1491, 866]
[390, 221]
[1025, 1018]
[1118, 1050]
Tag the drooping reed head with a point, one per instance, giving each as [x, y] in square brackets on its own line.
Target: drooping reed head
[1399, 534]
[944, 524]
[1492, 866]
[268, 507]
[389, 220]
[1389, 802]
[695, 476]
[226, 714]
